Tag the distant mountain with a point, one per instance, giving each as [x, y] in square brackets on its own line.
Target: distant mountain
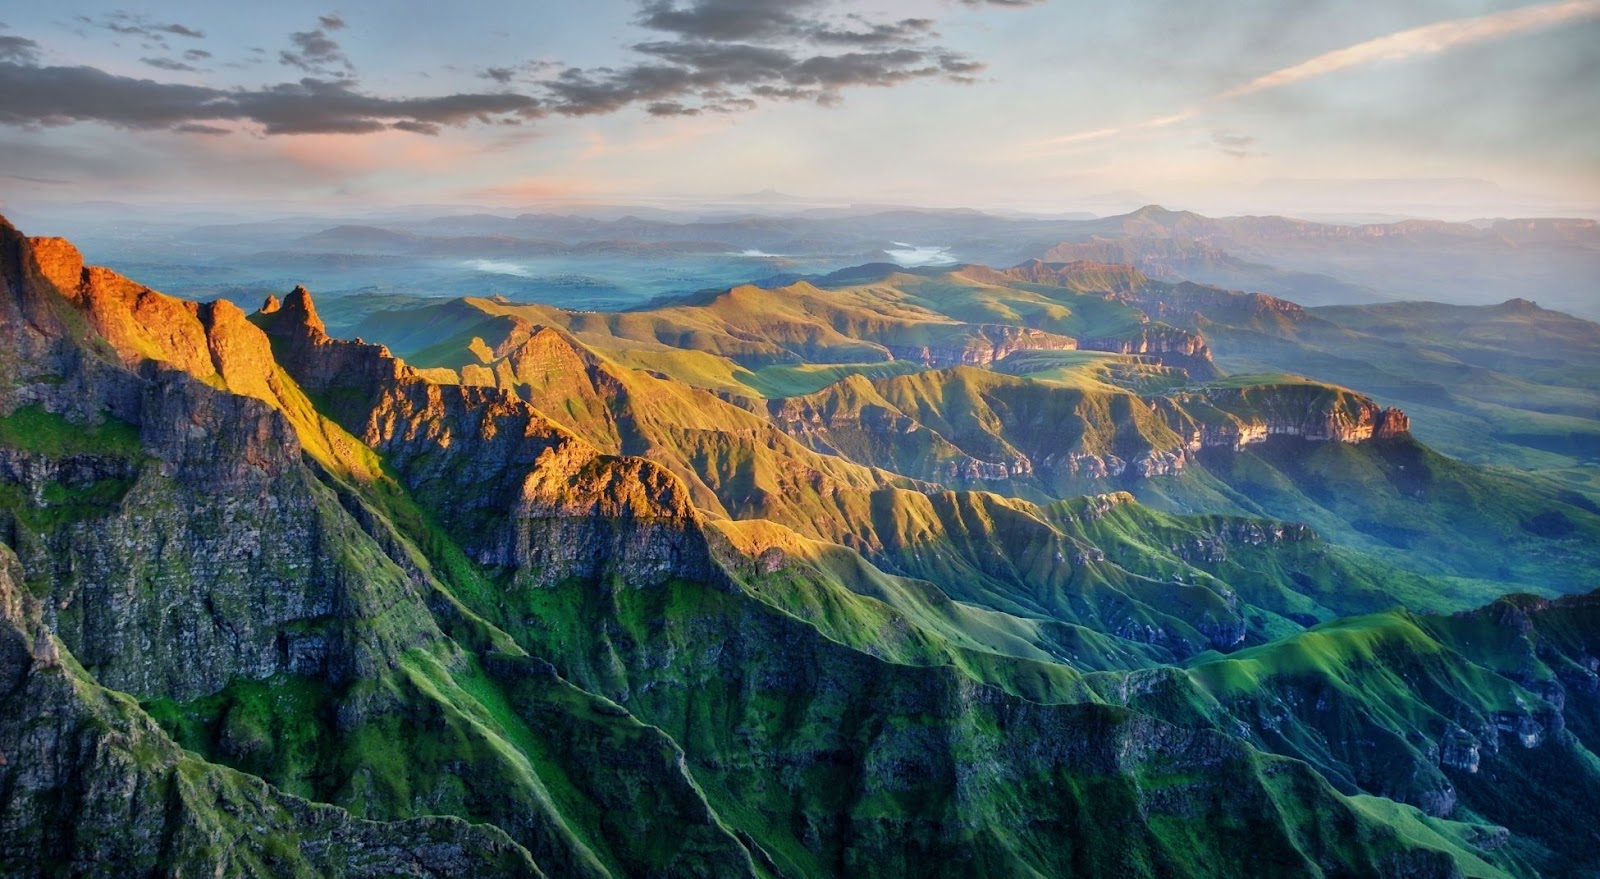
[359, 238]
[1550, 260]
[640, 253]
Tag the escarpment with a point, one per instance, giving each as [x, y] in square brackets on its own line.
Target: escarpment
[971, 427]
[517, 489]
[981, 346]
[1250, 415]
[91, 785]
[1168, 345]
[243, 576]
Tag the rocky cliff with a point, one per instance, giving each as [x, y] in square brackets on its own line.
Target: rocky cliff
[217, 537]
[516, 489]
[981, 345]
[1168, 345]
[245, 569]
[966, 427]
[1252, 414]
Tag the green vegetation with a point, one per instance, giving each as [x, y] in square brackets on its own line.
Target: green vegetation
[34, 429]
[1510, 384]
[1094, 371]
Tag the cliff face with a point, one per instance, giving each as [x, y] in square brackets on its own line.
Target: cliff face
[93, 787]
[1312, 412]
[981, 346]
[198, 533]
[1187, 304]
[1508, 687]
[1167, 344]
[1171, 346]
[242, 575]
[171, 538]
[960, 427]
[518, 490]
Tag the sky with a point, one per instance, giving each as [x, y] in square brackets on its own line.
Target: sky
[1451, 108]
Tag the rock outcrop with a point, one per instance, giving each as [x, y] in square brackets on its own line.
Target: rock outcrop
[1250, 415]
[1169, 345]
[89, 785]
[982, 345]
[965, 427]
[242, 577]
[518, 490]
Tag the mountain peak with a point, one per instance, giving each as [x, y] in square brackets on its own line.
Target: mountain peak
[59, 262]
[298, 308]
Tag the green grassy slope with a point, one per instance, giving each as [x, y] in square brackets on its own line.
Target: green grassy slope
[1510, 384]
[1079, 422]
[1486, 715]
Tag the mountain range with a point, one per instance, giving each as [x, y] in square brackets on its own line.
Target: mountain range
[1074, 567]
[616, 257]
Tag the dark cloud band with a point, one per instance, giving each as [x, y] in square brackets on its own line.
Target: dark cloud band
[714, 56]
[35, 96]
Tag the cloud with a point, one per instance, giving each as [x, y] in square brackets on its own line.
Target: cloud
[695, 75]
[19, 50]
[531, 71]
[1236, 145]
[168, 64]
[775, 20]
[416, 127]
[140, 25]
[317, 53]
[729, 55]
[903, 31]
[714, 56]
[728, 19]
[49, 96]
[1415, 42]
[1421, 41]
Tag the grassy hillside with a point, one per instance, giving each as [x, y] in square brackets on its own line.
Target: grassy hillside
[1038, 423]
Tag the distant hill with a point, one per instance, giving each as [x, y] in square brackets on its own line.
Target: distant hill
[1549, 260]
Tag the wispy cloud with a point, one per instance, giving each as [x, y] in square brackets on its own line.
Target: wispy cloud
[1236, 145]
[1426, 40]
[1415, 42]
